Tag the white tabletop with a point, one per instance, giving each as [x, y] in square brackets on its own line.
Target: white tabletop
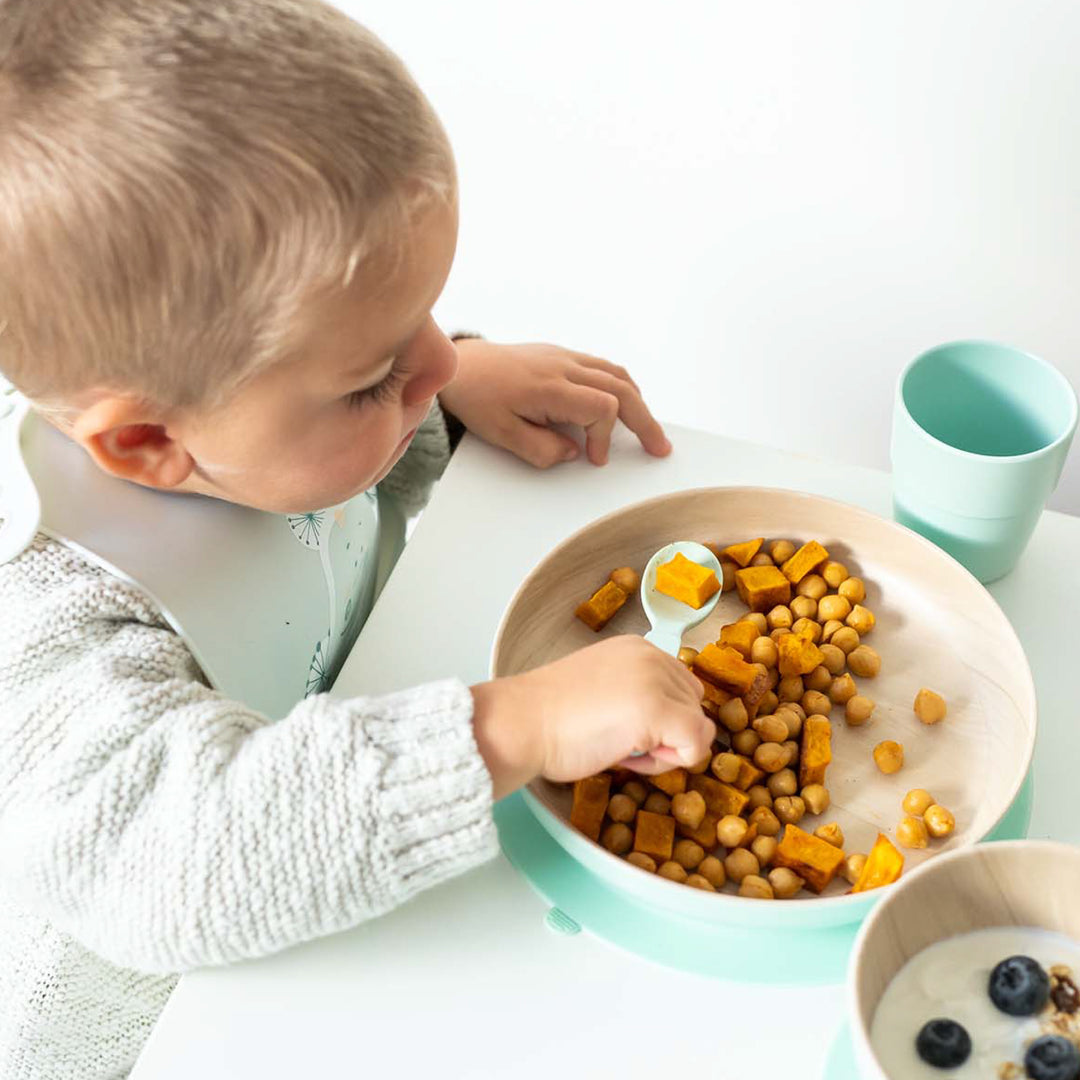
[466, 981]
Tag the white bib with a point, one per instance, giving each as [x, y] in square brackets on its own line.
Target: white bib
[268, 604]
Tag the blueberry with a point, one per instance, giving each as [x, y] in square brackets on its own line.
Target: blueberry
[945, 1044]
[1019, 986]
[1052, 1057]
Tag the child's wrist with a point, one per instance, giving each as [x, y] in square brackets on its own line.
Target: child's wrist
[509, 742]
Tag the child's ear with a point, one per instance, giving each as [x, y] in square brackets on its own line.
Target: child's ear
[128, 439]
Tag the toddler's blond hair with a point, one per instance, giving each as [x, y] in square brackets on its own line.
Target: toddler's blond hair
[177, 177]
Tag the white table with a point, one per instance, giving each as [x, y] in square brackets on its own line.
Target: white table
[467, 981]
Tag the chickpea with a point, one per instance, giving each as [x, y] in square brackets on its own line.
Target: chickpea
[700, 766]
[688, 809]
[767, 705]
[771, 757]
[889, 756]
[792, 748]
[846, 639]
[790, 809]
[853, 589]
[739, 863]
[732, 714]
[772, 675]
[817, 798]
[756, 888]
[636, 790]
[778, 633]
[687, 656]
[642, 861]
[857, 710]
[939, 821]
[819, 680]
[725, 766]
[657, 803]
[688, 854]
[758, 620]
[790, 688]
[785, 782]
[864, 661]
[816, 704]
[779, 616]
[830, 628]
[727, 571]
[813, 585]
[831, 833]
[781, 551]
[833, 607]
[833, 661]
[764, 651]
[731, 829]
[912, 833]
[916, 802]
[930, 708]
[759, 796]
[621, 808]
[785, 883]
[771, 728]
[745, 742]
[712, 870]
[852, 866]
[861, 619]
[808, 629]
[764, 849]
[843, 689]
[768, 824]
[617, 838]
[672, 871]
[803, 607]
[627, 578]
[792, 715]
[834, 574]
[698, 881]
[761, 559]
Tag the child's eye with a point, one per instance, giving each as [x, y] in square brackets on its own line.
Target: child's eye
[382, 391]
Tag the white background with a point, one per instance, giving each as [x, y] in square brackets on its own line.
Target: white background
[763, 210]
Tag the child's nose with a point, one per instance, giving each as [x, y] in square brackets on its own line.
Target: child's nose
[436, 366]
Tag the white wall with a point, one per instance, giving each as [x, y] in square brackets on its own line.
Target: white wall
[762, 209]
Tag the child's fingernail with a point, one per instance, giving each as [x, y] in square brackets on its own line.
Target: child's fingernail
[570, 453]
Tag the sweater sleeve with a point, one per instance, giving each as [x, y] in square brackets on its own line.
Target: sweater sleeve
[410, 481]
[166, 827]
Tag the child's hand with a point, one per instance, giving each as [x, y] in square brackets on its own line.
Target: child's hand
[510, 394]
[591, 710]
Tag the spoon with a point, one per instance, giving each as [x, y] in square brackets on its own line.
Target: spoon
[671, 618]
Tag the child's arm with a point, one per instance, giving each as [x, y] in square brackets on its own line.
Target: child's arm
[166, 827]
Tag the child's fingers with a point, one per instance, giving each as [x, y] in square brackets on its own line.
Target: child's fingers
[633, 411]
[539, 446]
[595, 410]
[606, 365]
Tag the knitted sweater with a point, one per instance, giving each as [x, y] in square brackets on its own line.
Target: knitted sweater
[149, 826]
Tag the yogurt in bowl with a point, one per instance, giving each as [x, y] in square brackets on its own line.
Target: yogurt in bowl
[928, 954]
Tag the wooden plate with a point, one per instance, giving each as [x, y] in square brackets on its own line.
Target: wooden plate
[936, 627]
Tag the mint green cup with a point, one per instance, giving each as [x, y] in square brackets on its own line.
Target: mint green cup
[980, 435]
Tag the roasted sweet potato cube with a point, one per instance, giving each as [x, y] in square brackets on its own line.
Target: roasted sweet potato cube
[883, 866]
[672, 782]
[596, 612]
[725, 668]
[809, 557]
[590, 804]
[749, 774]
[744, 552]
[720, 798]
[816, 751]
[815, 860]
[798, 655]
[686, 580]
[739, 636]
[752, 697]
[704, 834]
[654, 835]
[761, 588]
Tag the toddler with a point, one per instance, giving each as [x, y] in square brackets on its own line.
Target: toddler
[223, 225]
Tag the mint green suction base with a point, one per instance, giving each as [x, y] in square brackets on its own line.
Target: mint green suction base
[581, 900]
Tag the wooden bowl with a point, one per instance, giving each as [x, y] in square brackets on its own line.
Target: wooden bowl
[1015, 883]
[936, 627]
